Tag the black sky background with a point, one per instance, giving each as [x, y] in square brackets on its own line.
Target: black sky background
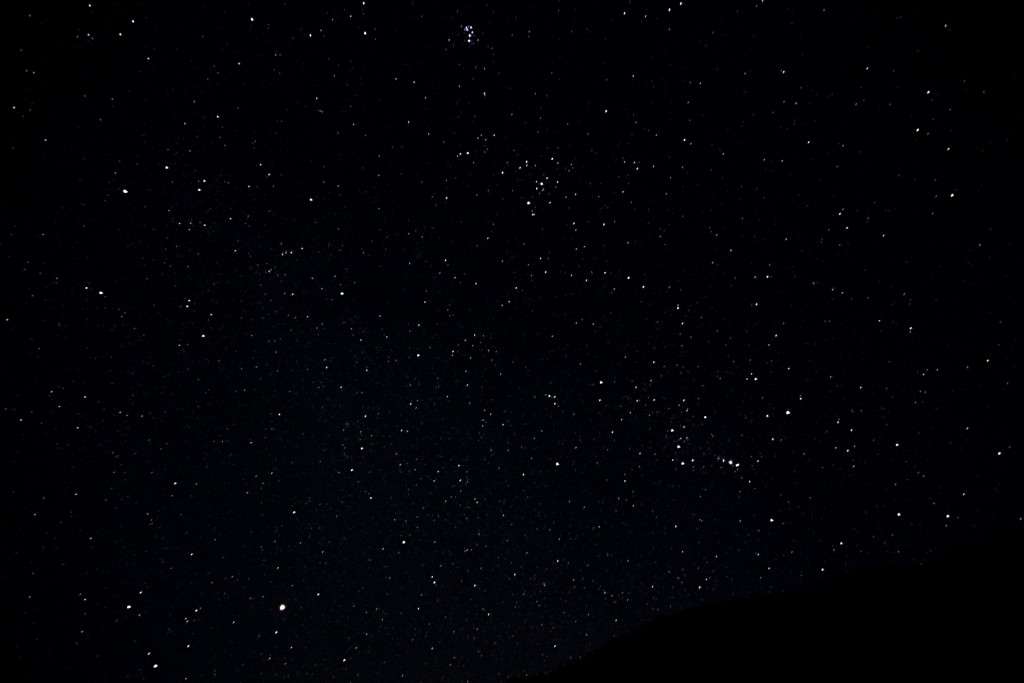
[478, 336]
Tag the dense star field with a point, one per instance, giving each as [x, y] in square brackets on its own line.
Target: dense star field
[386, 341]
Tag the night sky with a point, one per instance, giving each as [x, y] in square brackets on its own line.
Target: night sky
[392, 341]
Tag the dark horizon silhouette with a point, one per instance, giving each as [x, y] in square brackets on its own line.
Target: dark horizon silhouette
[958, 613]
